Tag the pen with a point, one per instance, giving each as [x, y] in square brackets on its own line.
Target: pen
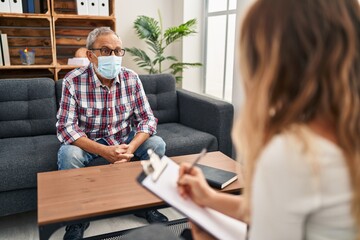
[202, 154]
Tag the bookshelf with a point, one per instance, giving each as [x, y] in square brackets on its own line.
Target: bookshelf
[55, 35]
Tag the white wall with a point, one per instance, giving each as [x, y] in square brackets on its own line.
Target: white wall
[127, 11]
[193, 46]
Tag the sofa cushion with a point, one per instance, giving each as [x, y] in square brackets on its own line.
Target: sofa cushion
[58, 91]
[27, 107]
[22, 158]
[161, 93]
[181, 140]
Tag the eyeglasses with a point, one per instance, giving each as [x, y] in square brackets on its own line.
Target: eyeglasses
[105, 51]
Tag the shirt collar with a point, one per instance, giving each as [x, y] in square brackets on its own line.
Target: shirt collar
[95, 81]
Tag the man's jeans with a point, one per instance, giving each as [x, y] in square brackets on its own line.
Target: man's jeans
[71, 156]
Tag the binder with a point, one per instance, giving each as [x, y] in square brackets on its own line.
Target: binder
[160, 177]
[82, 7]
[37, 6]
[5, 49]
[25, 6]
[16, 6]
[103, 7]
[5, 6]
[30, 6]
[1, 54]
[93, 7]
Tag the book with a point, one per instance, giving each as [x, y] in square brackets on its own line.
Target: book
[216, 177]
[5, 49]
[1, 53]
[37, 6]
[31, 6]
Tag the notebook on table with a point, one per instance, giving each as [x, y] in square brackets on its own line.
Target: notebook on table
[216, 177]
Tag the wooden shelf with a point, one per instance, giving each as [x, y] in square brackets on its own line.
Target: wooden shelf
[55, 36]
[25, 15]
[84, 17]
[59, 66]
[26, 67]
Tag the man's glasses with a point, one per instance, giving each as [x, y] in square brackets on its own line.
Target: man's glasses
[105, 51]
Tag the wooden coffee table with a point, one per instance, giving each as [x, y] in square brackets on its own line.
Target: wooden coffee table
[92, 193]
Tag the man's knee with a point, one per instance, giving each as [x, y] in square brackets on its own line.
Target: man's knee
[70, 156]
[158, 145]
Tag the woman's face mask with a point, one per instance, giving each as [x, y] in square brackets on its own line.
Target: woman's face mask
[109, 66]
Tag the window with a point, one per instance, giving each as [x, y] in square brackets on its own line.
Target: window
[220, 22]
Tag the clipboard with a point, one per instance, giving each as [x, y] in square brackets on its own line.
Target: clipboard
[160, 178]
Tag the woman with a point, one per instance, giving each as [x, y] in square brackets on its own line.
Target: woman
[299, 131]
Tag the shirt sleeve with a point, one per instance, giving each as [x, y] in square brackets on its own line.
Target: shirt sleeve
[283, 193]
[67, 127]
[144, 118]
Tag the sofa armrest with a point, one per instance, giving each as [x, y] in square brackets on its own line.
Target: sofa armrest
[208, 115]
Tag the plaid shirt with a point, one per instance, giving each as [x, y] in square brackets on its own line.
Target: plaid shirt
[88, 108]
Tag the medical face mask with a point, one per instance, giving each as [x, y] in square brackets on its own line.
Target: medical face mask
[109, 66]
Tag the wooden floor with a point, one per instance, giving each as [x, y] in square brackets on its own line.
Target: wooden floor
[24, 226]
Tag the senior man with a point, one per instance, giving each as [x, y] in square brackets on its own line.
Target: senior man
[104, 112]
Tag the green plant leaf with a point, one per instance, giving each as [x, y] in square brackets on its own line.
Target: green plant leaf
[147, 28]
[180, 66]
[173, 33]
[141, 59]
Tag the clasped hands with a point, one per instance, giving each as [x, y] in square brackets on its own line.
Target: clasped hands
[119, 153]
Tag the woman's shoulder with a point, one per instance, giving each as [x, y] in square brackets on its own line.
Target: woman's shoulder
[299, 145]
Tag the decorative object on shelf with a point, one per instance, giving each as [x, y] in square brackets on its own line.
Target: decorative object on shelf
[27, 57]
[151, 31]
[80, 58]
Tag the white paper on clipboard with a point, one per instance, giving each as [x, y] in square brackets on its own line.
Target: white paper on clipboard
[216, 223]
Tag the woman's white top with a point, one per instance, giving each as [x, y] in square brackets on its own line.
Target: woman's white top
[301, 192]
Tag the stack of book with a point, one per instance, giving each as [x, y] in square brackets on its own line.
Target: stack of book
[4, 50]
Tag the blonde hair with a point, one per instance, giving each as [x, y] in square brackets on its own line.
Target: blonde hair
[299, 60]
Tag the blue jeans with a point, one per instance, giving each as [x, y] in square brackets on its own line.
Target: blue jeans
[71, 156]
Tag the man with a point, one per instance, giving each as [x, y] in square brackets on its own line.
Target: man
[104, 112]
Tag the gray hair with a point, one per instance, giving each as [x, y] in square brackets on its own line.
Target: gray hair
[94, 34]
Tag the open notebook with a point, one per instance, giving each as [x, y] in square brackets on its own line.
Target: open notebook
[216, 223]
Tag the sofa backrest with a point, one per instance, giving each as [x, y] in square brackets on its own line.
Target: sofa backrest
[27, 107]
[161, 93]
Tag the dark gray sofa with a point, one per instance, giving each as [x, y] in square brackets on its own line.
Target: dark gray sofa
[28, 143]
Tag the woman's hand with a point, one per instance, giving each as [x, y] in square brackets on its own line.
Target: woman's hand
[192, 184]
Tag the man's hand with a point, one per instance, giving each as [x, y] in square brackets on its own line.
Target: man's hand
[117, 153]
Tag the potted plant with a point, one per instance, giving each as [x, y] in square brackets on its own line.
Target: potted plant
[151, 31]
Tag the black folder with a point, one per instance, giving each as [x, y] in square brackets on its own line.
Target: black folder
[217, 178]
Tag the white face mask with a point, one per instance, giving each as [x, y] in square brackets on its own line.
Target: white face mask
[109, 66]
